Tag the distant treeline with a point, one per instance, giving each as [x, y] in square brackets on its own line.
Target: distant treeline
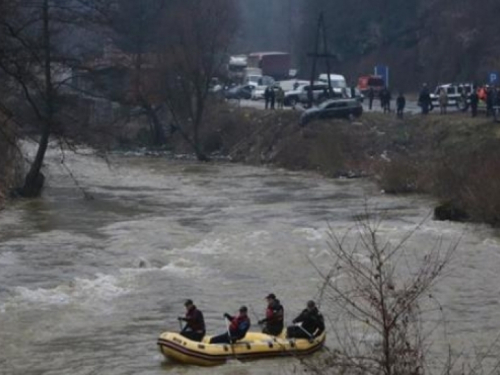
[421, 40]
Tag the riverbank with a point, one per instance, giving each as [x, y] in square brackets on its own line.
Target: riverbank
[454, 158]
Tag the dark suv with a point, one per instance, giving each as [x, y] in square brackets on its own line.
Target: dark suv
[334, 108]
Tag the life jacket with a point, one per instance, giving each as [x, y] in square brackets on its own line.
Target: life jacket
[239, 325]
[194, 320]
[274, 312]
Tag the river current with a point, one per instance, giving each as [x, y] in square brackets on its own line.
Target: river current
[86, 286]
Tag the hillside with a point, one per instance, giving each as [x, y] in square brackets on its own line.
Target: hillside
[422, 41]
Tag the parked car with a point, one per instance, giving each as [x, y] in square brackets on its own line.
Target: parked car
[332, 108]
[258, 93]
[239, 92]
[455, 95]
[256, 80]
[301, 94]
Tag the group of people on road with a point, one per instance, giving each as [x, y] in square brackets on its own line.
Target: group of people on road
[385, 97]
[308, 324]
[273, 95]
[471, 97]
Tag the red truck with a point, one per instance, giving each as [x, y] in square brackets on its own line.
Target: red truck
[274, 64]
[366, 83]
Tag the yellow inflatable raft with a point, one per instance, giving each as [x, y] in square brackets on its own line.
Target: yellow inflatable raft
[254, 346]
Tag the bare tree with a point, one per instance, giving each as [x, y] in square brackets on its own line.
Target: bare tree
[134, 28]
[35, 72]
[375, 288]
[26, 58]
[194, 51]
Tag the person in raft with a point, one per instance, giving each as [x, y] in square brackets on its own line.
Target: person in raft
[274, 316]
[195, 324]
[237, 328]
[311, 323]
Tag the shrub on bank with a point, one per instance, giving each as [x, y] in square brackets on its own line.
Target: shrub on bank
[471, 182]
[455, 159]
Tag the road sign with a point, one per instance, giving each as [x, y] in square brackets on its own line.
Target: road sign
[494, 78]
[383, 71]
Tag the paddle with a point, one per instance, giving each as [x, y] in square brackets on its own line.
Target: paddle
[311, 337]
[229, 336]
[255, 315]
[179, 319]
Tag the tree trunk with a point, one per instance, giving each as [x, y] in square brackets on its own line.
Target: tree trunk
[200, 154]
[33, 184]
[158, 133]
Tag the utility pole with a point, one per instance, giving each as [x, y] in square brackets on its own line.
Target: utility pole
[320, 32]
[290, 27]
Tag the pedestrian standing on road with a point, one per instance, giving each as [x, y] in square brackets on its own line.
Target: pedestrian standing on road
[381, 95]
[353, 92]
[273, 97]
[280, 97]
[424, 99]
[400, 105]
[474, 100]
[489, 101]
[371, 95]
[388, 98]
[463, 99]
[443, 101]
[385, 100]
[267, 96]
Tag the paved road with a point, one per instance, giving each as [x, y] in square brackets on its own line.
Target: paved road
[411, 106]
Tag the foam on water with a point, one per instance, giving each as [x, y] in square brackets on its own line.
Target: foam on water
[184, 267]
[312, 234]
[8, 259]
[97, 291]
[209, 247]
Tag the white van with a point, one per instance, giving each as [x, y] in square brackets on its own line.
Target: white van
[338, 81]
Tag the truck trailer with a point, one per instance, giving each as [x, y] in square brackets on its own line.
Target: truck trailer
[274, 64]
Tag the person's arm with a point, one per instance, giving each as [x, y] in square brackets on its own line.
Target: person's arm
[299, 319]
[321, 326]
[279, 312]
[269, 316]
